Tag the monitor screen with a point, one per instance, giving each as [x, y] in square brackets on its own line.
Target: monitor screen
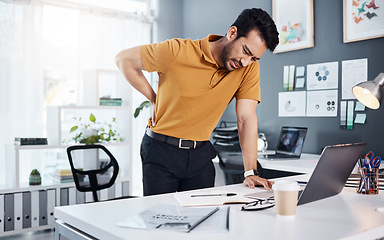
[291, 140]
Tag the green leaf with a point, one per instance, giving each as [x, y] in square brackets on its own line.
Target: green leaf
[137, 111]
[92, 118]
[74, 128]
[91, 140]
[143, 105]
[77, 137]
[35, 172]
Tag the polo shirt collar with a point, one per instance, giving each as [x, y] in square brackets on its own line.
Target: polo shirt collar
[205, 48]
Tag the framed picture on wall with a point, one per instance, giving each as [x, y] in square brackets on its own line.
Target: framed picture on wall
[363, 19]
[294, 21]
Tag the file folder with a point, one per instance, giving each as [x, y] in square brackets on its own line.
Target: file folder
[35, 211]
[111, 192]
[1, 213]
[89, 196]
[64, 196]
[126, 188]
[118, 189]
[43, 220]
[80, 197]
[18, 211]
[51, 203]
[71, 196]
[26, 209]
[9, 206]
[103, 194]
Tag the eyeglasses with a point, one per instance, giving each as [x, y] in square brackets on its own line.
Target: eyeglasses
[259, 204]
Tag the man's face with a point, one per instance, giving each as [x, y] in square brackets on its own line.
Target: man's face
[243, 51]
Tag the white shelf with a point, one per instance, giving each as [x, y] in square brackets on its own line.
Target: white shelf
[41, 153]
[28, 147]
[61, 120]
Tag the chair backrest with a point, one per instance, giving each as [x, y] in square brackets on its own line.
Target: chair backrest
[93, 168]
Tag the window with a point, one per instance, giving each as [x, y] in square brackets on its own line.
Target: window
[46, 46]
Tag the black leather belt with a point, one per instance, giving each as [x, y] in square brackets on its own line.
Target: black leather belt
[181, 143]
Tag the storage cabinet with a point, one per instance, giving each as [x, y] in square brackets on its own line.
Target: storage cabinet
[32, 208]
[24, 207]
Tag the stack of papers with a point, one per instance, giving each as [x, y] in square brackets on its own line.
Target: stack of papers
[169, 217]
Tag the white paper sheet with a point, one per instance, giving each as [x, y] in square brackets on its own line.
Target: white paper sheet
[322, 76]
[292, 104]
[353, 72]
[359, 107]
[300, 82]
[322, 103]
[360, 118]
[300, 71]
[169, 217]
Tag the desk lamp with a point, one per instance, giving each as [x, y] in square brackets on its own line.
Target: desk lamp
[370, 93]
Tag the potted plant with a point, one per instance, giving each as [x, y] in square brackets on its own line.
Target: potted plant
[34, 177]
[95, 132]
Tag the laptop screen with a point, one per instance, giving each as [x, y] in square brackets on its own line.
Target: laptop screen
[291, 140]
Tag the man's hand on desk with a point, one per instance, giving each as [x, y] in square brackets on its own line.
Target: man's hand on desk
[252, 181]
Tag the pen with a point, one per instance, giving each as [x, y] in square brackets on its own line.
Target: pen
[215, 195]
[228, 218]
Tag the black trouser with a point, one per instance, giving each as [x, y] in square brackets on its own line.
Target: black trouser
[168, 168]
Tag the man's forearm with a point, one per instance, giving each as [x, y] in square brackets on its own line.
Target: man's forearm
[248, 142]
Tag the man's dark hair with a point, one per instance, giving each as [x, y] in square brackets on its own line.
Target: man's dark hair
[257, 19]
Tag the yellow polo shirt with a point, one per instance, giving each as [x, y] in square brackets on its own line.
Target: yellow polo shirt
[193, 91]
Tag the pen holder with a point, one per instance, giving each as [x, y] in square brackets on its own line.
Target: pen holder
[369, 180]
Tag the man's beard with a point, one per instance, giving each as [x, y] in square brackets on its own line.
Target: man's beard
[225, 57]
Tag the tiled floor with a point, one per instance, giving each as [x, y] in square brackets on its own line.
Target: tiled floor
[36, 235]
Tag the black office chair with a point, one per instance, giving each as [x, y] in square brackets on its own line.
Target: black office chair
[231, 163]
[93, 168]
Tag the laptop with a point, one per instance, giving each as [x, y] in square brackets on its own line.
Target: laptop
[330, 174]
[290, 143]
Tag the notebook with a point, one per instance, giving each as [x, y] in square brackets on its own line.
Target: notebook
[330, 175]
[290, 143]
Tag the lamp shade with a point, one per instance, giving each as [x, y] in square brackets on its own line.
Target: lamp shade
[369, 93]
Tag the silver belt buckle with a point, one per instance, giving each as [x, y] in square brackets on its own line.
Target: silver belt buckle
[180, 144]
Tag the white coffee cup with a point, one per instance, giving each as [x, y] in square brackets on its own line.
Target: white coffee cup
[286, 193]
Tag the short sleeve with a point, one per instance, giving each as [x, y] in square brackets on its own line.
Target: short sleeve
[250, 86]
[157, 56]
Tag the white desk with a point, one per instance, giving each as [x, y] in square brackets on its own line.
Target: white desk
[305, 164]
[347, 215]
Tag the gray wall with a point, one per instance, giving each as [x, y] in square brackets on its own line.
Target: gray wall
[169, 19]
[203, 17]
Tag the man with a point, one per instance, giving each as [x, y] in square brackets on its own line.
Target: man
[197, 80]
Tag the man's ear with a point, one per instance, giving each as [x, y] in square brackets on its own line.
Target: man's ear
[231, 33]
